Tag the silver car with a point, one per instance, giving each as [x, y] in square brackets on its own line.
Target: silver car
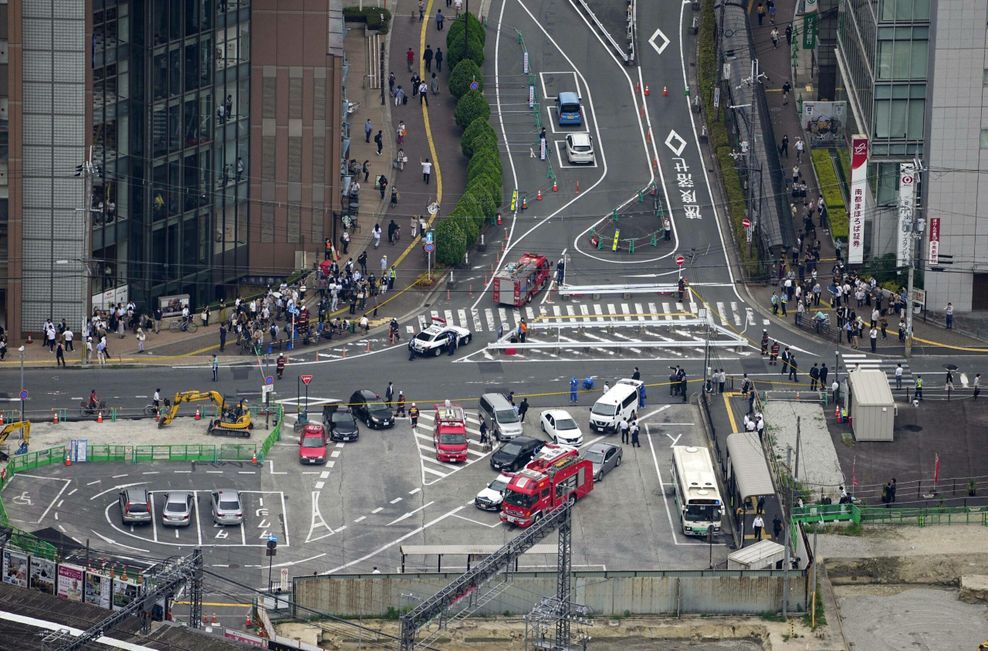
[604, 457]
[226, 507]
[178, 509]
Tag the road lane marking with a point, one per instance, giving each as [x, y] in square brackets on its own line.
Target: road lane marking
[409, 514]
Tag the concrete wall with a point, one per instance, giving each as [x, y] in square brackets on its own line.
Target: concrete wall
[719, 592]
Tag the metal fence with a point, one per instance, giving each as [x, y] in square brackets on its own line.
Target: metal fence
[912, 516]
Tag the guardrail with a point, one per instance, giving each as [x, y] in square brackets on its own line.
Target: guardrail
[633, 288]
[913, 516]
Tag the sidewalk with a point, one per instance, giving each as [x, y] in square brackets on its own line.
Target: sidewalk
[432, 133]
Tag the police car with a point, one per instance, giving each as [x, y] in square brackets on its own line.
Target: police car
[435, 338]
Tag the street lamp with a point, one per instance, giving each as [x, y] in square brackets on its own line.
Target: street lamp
[21, 351]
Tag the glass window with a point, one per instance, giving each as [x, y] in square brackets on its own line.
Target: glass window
[159, 21]
[174, 128]
[175, 72]
[159, 73]
[984, 77]
[905, 10]
[191, 67]
[984, 138]
[899, 118]
[192, 17]
[902, 59]
[189, 246]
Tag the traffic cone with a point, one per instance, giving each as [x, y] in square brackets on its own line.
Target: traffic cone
[578, 187]
[249, 621]
[555, 186]
[499, 219]
[524, 203]
[54, 420]
[68, 459]
[1, 418]
[538, 195]
[665, 91]
[29, 340]
[647, 91]
[198, 415]
[216, 620]
[253, 458]
[368, 346]
[648, 136]
[99, 417]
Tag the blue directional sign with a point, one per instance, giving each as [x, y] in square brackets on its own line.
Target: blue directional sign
[23, 394]
[269, 379]
[429, 247]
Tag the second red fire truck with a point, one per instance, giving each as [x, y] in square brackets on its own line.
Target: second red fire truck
[518, 282]
[555, 476]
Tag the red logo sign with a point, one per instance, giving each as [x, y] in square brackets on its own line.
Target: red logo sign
[859, 151]
[680, 260]
[306, 379]
[746, 222]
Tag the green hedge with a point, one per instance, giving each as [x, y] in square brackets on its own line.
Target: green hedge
[377, 18]
[471, 106]
[451, 243]
[829, 184]
[455, 30]
[465, 72]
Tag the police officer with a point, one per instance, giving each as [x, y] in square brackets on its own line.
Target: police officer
[413, 415]
[281, 365]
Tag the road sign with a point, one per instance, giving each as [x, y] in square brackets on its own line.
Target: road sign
[429, 247]
[746, 222]
[474, 85]
[269, 379]
[284, 579]
[23, 394]
[306, 379]
[265, 390]
[680, 261]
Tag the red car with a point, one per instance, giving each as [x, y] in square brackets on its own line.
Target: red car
[312, 444]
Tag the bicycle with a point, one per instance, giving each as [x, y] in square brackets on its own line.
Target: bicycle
[183, 326]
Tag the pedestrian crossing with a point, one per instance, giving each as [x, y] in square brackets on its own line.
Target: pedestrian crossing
[887, 365]
[433, 470]
[494, 320]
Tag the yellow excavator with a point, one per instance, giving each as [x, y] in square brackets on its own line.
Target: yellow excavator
[234, 420]
[10, 428]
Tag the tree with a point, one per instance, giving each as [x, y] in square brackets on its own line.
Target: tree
[460, 49]
[483, 164]
[457, 27]
[465, 72]
[480, 189]
[451, 245]
[471, 106]
[483, 139]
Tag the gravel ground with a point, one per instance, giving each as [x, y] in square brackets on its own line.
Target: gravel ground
[181, 431]
[905, 541]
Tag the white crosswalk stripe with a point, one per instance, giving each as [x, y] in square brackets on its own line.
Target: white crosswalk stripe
[887, 365]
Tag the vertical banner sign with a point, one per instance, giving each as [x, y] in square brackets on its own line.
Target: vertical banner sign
[809, 31]
[934, 255]
[859, 187]
[907, 204]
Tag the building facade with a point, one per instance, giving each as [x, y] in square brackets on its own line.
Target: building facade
[915, 75]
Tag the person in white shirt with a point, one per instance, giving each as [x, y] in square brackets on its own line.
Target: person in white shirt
[68, 336]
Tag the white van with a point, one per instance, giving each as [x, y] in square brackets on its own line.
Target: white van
[619, 403]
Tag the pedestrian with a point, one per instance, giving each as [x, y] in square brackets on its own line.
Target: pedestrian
[607, 387]
[523, 409]
[635, 443]
[919, 387]
[785, 361]
[573, 388]
[216, 367]
[345, 241]
[887, 494]
[771, 11]
[824, 372]
[400, 132]
[365, 168]
[641, 395]
[368, 130]
[400, 410]
[451, 346]
[761, 13]
[892, 491]
[814, 377]
[775, 37]
[977, 385]
[424, 93]
[382, 184]
[667, 229]
[760, 505]
[438, 57]
[873, 334]
[757, 525]
[394, 204]
[948, 383]
[222, 337]
[389, 393]
[784, 146]
[777, 527]
[391, 83]
[59, 354]
[950, 316]
[400, 97]
[140, 340]
[898, 377]
[427, 58]
[773, 356]
[722, 380]
[786, 89]
[379, 141]
[625, 430]
[484, 438]
[800, 147]
[793, 368]
[789, 34]
[434, 85]
[413, 415]
[410, 58]
[440, 19]
[426, 170]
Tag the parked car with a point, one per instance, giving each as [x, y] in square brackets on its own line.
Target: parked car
[227, 508]
[434, 339]
[604, 457]
[491, 497]
[560, 427]
[579, 149]
[312, 444]
[135, 506]
[178, 509]
[513, 455]
[370, 408]
[342, 425]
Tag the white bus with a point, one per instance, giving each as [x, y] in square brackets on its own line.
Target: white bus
[697, 496]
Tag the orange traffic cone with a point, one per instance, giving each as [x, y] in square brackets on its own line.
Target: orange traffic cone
[499, 219]
[524, 203]
[1, 418]
[99, 417]
[216, 620]
[665, 91]
[68, 459]
[253, 458]
[647, 91]
[578, 187]
[538, 195]
[54, 420]
[198, 415]
[555, 186]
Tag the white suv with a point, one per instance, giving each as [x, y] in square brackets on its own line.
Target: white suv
[579, 149]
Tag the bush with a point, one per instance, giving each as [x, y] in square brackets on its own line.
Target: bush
[455, 30]
[488, 186]
[826, 177]
[473, 131]
[471, 106]
[474, 51]
[484, 140]
[479, 189]
[377, 18]
[451, 244]
[483, 163]
[465, 72]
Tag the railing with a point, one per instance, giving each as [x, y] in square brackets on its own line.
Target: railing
[913, 516]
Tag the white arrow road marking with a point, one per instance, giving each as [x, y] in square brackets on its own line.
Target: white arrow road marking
[665, 41]
[409, 514]
[317, 521]
[680, 145]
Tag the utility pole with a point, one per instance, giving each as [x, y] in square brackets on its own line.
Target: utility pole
[86, 171]
[916, 227]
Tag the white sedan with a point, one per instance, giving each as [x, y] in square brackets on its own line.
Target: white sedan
[491, 497]
[560, 427]
[435, 339]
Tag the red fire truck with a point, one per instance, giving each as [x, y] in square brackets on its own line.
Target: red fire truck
[556, 475]
[450, 435]
[518, 282]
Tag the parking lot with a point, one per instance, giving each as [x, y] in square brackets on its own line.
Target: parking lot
[372, 496]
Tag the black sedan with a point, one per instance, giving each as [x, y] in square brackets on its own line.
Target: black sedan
[370, 407]
[513, 455]
[342, 425]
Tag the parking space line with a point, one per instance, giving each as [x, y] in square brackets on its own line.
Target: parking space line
[483, 524]
[246, 472]
[96, 482]
[409, 514]
[335, 453]
[119, 476]
[182, 472]
[377, 510]
[395, 500]
[151, 472]
[361, 518]
[57, 497]
[71, 492]
[214, 472]
[414, 490]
